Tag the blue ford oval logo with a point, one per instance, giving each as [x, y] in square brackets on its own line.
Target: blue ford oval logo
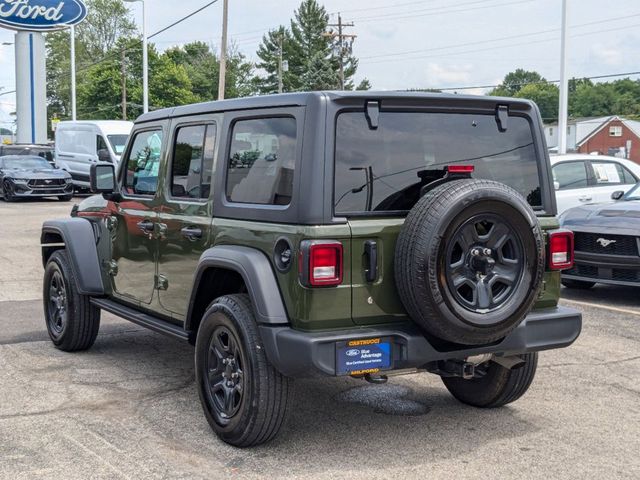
[41, 15]
[353, 352]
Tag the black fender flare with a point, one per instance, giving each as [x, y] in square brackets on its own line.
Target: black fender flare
[258, 275]
[79, 240]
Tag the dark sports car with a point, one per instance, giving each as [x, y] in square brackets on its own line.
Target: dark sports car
[31, 176]
[607, 241]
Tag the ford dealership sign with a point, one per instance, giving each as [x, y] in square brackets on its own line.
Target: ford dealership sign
[41, 15]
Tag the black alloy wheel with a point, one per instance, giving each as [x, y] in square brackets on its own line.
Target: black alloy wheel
[223, 369]
[484, 263]
[8, 192]
[58, 305]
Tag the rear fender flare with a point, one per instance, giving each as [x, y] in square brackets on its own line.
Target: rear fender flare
[258, 276]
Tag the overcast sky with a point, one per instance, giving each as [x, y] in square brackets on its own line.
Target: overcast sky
[419, 44]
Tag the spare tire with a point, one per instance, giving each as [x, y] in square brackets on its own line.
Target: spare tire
[469, 261]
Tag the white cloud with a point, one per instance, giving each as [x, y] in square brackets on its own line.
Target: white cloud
[438, 75]
[611, 56]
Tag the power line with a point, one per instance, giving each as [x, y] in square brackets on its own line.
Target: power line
[442, 10]
[111, 56]
[510, 37]
[594, 77]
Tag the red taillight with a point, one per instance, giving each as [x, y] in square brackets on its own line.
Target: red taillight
[560, 249]
[460, 169]
[321, 263]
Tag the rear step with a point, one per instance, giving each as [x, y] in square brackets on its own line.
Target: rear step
[152, 323]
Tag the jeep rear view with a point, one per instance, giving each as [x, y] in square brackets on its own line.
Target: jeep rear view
[344, 234]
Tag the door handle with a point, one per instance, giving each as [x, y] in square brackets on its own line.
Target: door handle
[146, 226]
[585, 198]
[191, 233]
[371, 259]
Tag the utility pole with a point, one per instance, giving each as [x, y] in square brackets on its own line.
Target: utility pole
[123, 73]
[344, 47]
[564, 85]
[223, 51]
[280, 62]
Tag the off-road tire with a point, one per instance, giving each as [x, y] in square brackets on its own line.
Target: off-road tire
[577, 284]
[80, 329]
[263, 405]
[497, 387]
[421, 273]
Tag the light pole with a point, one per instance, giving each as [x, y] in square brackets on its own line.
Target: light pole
[145, 58]
[564, 85]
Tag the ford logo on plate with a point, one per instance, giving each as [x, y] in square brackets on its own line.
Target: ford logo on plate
[353, 352]
[41, 15]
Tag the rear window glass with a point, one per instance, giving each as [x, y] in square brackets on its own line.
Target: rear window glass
[262, 160]
[385, 169]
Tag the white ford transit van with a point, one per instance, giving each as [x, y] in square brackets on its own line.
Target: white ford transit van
[82, 143]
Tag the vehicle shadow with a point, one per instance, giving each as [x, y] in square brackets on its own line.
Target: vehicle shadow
[610, 295]
[346, 422]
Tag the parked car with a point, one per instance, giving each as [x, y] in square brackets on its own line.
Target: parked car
[41, 150]
[31, 176]
[584, 179]
[607, 240]
[326, 236]
[80, 144]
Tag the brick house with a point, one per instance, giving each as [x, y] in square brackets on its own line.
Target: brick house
[612, 135]
[617, 136]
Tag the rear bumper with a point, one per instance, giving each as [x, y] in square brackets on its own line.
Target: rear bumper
[296, 353]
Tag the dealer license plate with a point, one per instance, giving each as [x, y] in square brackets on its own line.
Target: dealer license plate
[357, 357]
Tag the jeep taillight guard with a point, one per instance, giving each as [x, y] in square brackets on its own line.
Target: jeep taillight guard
[321, 263]
[560, 249]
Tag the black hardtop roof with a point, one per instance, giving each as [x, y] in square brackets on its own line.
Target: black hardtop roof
[304, 98]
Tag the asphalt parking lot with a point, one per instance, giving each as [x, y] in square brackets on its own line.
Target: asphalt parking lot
[128, 408]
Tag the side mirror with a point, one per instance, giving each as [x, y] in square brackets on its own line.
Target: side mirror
[104, 156]
[102, 178]
[617, 195]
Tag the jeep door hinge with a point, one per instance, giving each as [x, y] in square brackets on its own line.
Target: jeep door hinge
[111, 267]
[162, 283]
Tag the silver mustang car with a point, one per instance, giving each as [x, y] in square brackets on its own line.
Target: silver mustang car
[29, 176]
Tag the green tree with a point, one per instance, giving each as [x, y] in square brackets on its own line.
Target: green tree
[310, 49]
[203, 68]
[545, 95]
[514, 81]
[106, 22]
[269, 55]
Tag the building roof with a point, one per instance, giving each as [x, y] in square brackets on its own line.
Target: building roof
[632, 125]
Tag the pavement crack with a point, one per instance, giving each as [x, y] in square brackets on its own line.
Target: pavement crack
[591, 364]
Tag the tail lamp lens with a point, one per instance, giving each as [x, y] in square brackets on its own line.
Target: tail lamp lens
[560, 249]
[322, 263]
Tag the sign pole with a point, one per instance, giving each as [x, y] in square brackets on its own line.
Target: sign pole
[73, 73]
[31, 82]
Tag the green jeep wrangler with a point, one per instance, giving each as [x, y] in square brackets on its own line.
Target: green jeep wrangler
[337, 233]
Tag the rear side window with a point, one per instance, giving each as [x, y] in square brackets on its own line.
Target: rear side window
[143, 163]
[261, 161]
[610, 173]
[570, 175]
[385, 169]
[192, 166]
